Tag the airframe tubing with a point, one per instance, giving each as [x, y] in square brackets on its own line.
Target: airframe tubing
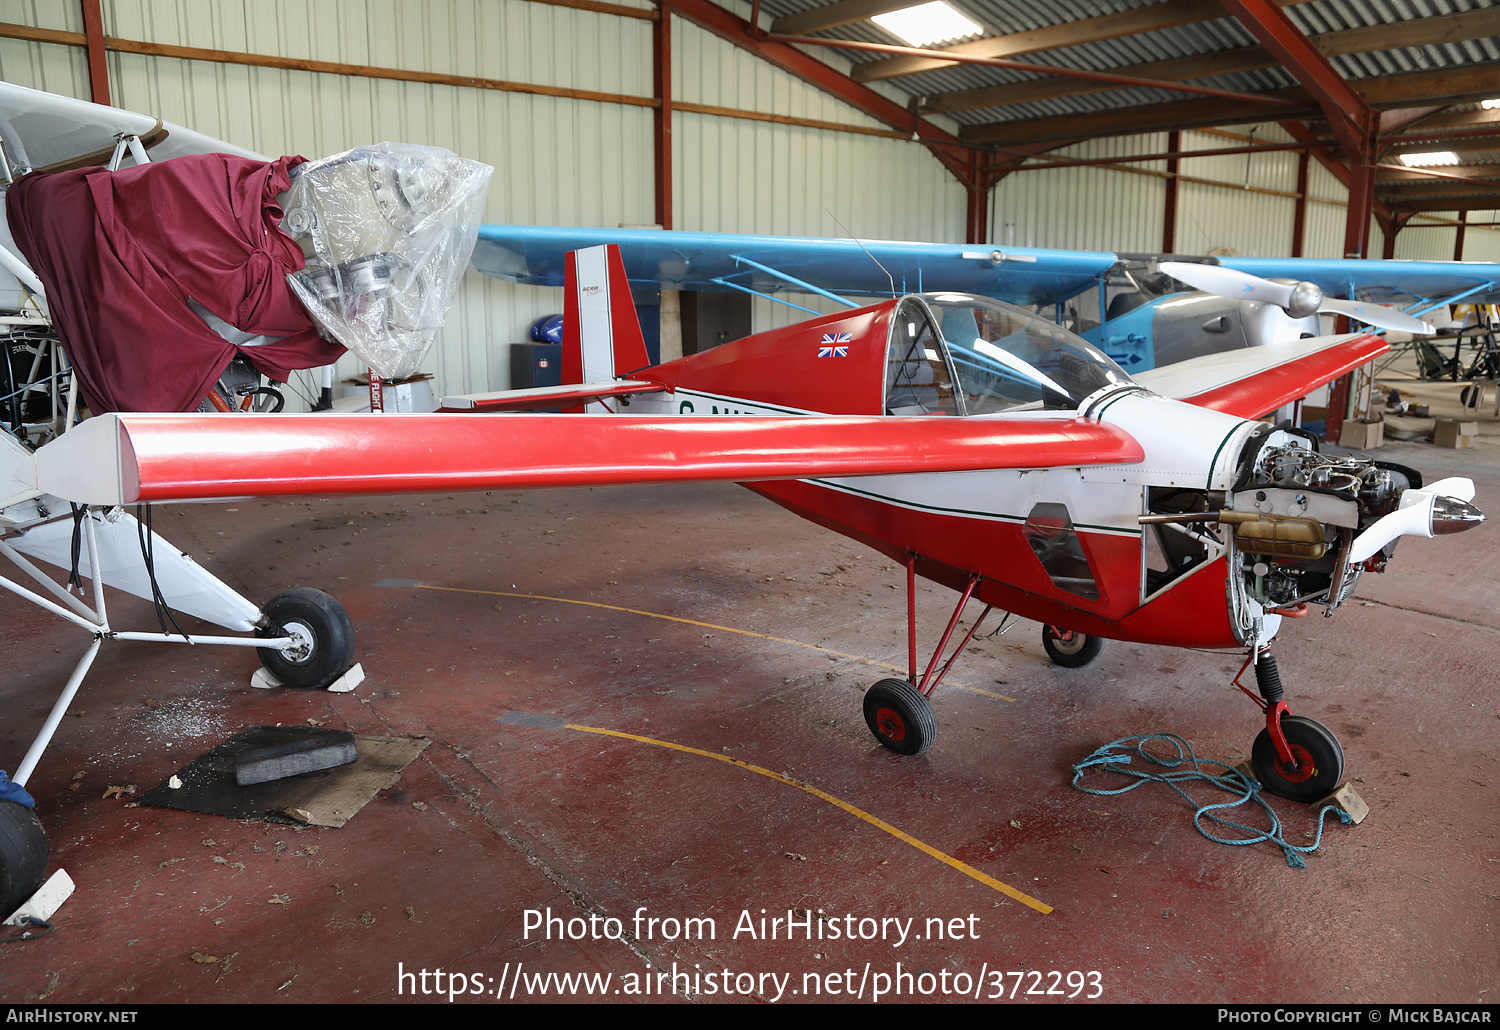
[21, 271]
[937, 654]
[56, 609]
[54, 717]
[765, 296]
[280, 643]
[24, 564]
[101, 632]
[809, 287]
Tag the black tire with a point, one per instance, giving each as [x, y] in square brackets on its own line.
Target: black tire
[23, 856]
[900, 717]
[319, 619]
[1315, 747]
[1069, 648]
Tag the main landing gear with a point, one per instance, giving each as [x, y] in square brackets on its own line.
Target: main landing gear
[23, 855]
[303, 637]
[898, 712]
[1293, 757]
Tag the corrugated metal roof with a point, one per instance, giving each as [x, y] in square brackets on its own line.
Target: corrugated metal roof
[1001, 17]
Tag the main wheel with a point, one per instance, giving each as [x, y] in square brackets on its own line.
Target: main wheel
[1069, 648]
[900, 717]
[324, 634]
[1320, 761]
[23, 855]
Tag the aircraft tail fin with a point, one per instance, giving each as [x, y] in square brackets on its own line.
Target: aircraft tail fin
[601, 334]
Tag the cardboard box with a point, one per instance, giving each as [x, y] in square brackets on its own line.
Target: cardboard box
[1452, 432]
[1362, 436]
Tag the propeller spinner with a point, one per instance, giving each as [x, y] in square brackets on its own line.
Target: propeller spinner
[1298, 299]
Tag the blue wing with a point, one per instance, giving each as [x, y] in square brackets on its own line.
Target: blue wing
[1398, 283]
[767, 264]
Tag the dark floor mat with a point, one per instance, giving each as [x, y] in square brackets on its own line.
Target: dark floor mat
[329, 797]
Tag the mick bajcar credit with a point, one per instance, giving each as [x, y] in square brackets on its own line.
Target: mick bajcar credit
[1362, 1015]
[643, 932]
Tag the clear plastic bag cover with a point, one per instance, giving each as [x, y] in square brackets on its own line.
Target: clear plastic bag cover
[388, 230]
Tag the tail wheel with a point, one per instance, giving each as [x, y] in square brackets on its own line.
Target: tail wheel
[323, 635]
[23, 856]
[1069, 648]
[1320, 761]
[900, 717]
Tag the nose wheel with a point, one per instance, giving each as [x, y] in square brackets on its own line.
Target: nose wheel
[1293, 757]
[1319, 761]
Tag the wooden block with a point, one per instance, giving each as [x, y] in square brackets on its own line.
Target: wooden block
[1347, 798]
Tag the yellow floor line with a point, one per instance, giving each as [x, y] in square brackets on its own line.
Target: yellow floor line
[966, 869]
[707, 625]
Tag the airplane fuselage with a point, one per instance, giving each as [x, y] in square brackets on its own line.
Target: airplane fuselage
[1063, 546]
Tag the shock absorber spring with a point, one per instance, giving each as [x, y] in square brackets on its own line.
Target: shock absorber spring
[1268, 677]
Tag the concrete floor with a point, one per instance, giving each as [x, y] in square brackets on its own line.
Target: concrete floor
[719, 624]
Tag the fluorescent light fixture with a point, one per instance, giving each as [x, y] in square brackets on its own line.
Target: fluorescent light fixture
[1434, 157]
[1490, 105]
[924, 24]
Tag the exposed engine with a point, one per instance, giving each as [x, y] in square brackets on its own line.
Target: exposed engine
[1301, 527]
[1294, 516]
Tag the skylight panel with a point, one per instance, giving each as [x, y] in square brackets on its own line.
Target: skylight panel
[928, 23]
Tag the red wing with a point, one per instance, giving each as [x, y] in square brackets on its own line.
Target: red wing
[121, 459]
[547, 396]
[1253, 381]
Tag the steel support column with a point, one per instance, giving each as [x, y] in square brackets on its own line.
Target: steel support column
[93, 32]
[1299, 213]
[1354, 122]
[1361, 199]
[1169, 213]
[1391, 227]
[1458, 237]
[977, 217]
[661, 76]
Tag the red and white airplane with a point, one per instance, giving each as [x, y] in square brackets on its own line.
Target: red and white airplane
[978, 445]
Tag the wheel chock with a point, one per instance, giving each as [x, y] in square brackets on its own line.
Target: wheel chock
[1347, 798]
[348, 681]
[47, 900]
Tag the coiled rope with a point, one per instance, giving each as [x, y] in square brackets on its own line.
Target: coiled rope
[1115, 757]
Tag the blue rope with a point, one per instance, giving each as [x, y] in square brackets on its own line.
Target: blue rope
[1191, 768]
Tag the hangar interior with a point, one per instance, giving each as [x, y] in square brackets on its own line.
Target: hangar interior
[643, 703]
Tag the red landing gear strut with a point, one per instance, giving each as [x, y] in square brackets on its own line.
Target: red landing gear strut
[898, 712]
[1293, 757]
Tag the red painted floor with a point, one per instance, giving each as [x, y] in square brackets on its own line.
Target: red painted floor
[503, 816]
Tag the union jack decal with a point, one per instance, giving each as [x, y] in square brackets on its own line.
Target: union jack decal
[834, 345]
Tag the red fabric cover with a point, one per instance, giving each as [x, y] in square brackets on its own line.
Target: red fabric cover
[120, 253]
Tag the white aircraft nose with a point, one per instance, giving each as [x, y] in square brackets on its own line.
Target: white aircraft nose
[1422, 513]
[1452, 515]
